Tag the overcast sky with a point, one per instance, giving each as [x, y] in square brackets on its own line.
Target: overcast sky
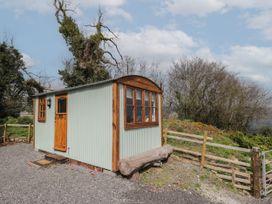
[236, 32]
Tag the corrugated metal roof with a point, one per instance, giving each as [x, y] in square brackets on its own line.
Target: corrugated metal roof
[65, 90]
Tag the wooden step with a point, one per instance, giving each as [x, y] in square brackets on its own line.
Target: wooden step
[41, 163]
[56, 158]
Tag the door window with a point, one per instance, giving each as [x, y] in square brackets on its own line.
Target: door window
[62, 105]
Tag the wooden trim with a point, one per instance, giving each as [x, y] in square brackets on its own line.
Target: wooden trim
[115, 125]
[57, 104]
[41, 102]
[85, 165]
[161, 113]
[34, 120]
[140, 82]
[142, 124]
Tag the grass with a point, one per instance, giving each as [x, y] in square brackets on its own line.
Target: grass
[18, 132]
[231, 138]
[15, 132]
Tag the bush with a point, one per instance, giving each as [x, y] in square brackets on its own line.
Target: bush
[3, 120]
[25, 120]
[11, 120]
[267, 132]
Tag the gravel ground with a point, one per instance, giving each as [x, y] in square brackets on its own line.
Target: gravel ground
[22, 183]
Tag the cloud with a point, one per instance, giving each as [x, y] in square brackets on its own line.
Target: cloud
[193, 7]
[250, 61]
[29, 62]
[118, 12]
[28, 5]
[205, 7]
[164, 46]
[261, 21]
[45, 6]
[156, 45]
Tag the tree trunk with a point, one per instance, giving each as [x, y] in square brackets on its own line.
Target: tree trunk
[131, 164]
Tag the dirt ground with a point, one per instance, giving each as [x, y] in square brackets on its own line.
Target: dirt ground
[181, 175]
[65, 183]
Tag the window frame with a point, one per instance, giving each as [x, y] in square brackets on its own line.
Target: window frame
[42, 109]
[142, 124]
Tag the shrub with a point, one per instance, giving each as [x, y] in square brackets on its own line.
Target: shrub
[11, 120]
[25, 120]
[267, 132]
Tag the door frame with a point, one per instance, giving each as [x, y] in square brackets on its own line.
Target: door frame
[64, 95]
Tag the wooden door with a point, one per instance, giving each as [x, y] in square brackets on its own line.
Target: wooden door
[61, 123]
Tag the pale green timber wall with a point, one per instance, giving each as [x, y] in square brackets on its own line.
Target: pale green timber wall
[89, 126]
[136, 141]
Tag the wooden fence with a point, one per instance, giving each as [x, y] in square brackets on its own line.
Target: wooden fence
[243, 175]
[6, 137]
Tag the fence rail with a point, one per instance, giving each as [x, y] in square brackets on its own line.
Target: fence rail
[7, 138]
[242, 174]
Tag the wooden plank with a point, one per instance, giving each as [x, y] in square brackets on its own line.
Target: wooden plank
[5, 133]
[193, 158]
[203, 153]
[60, 140]
[17, 125]
[214, 157]
[211, 144]
[34, 120]
[55, 157]
[28, 133]
[115, 125]
[188, 135]
[248, 188]
[238, 173]
[268, 162]
[161, 121]
[140, 82]
[230, 178]
[165, 136]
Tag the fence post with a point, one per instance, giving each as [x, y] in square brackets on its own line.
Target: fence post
[256, 169]
[233, 175]
[28, 133]
[5, 133]
[165, 136]
[203, 154]
[264, 173]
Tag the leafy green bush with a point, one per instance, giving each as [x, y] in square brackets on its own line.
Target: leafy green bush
[25, 120]
[11, 120]
[249, 141]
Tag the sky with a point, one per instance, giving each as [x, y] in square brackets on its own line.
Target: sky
[237, 33]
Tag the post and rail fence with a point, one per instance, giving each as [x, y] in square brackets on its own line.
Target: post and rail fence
[247, 174]
[6, 137]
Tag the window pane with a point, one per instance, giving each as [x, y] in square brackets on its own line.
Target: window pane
[62, 105]
[129, 103]
[153, 107]
[147, 106]
[138, 105]
[129, 114]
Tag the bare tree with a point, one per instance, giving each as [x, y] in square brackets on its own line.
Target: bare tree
[204, 91]
[130, 65]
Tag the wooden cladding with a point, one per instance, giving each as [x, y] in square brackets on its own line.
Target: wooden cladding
[141, 107]
[115, 126]
[140, 82]
[42, 109]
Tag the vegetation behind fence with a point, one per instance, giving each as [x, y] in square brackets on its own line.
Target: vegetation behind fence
[240, 166]
[16, 132]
